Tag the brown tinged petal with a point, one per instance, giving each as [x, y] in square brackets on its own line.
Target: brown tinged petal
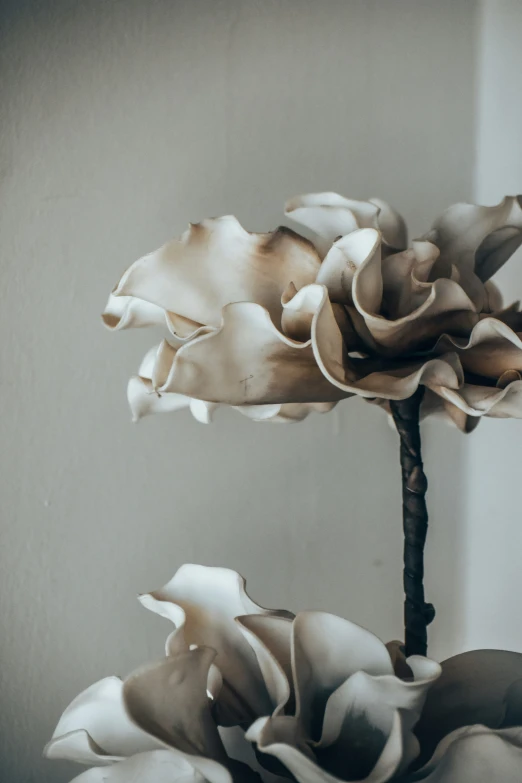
[215, 263]
[479, 239]
[247, 361]
[492, 348]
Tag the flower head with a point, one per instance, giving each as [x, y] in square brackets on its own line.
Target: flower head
[277, 325]
[320, 699]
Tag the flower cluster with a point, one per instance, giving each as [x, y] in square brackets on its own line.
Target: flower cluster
[319, 700]
[277, 325]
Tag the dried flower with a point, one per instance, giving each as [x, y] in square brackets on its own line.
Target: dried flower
[277, 326]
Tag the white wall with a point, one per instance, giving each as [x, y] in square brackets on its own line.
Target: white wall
[494, 536]
[121, 122]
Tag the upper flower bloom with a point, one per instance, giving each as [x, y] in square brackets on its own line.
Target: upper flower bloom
[277, 325]
[320, 698]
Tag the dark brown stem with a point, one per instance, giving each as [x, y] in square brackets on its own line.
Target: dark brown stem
[417, 614]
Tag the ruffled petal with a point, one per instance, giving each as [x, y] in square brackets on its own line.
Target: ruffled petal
[160, 766]
[374, 378]
[359, 715]
[275, 738]
[491, 350]
[317, 638]
[128, 312]
[95, 727]
[330, 216]
[479, 239]
[270, 637]
[475, 754]
[246, 361]
[169, 701]
[474, 687]
[216, 262]
[204, 602]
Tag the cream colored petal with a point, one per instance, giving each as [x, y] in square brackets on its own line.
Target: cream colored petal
[216, 262]
[478, 238]
[247, 361]
[271, 739]
[160, 766]
[475, 754]
[330, 216]
[491, 349]
[345, 257]
[474, 687]
[270, 638]
[95, 727]
[205, 602]
[128, 312]
[286, 413]
[326, 651]
[144, 401]
[169, 701]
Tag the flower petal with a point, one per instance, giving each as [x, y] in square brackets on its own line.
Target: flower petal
[479, 239]
[159, 766]
[128, 312]
[375, 378]
[168, 700]
[205, 602]
[270, 638]
[330, 216]
[246, 361]
[217, 262]
[475, 754]
[492, 348]
[359, 715]
[284, 413]
[272, 739]
[474, 687]
[144, 400]
[326, 651]
[80, 747]
[95, 727]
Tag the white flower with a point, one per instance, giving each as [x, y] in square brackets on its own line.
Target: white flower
[278, 326]
[320, 698]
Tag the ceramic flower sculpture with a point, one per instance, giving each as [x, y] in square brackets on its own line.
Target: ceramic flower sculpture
[277, 326]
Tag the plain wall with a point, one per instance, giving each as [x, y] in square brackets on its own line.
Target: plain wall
[494, 524]
[122, 121]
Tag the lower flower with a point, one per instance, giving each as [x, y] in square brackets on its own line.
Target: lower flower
[311, 697]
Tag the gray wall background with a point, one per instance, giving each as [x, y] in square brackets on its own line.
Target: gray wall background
[122, 121]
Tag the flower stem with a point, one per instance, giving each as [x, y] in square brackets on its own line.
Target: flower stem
[417, 614]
